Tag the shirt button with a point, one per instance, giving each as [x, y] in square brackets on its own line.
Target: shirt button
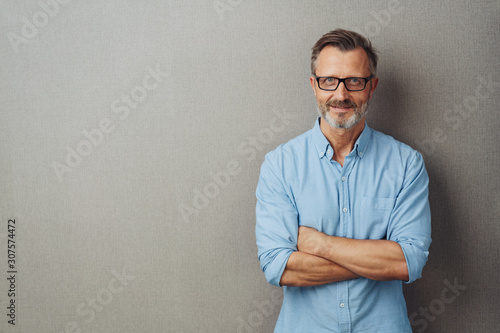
[344, 210]
[343, 179]
[342, 305]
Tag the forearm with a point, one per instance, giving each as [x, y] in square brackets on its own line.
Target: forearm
[304, 270]
[374, 259]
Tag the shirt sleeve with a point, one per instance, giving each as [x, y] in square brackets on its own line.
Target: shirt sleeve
[410, 222]
[277, 222]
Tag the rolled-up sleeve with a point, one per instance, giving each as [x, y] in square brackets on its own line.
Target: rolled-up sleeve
[277, 222]
[410, 223]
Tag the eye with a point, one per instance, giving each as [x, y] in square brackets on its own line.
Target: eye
[329, 81]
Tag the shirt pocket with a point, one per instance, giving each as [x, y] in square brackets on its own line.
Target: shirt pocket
[374, 216]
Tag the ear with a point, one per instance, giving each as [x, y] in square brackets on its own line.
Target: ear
[373, 85]
[312, 80]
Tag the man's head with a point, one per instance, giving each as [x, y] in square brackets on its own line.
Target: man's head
[342, 54]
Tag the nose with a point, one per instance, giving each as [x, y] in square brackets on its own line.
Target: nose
[342, 92]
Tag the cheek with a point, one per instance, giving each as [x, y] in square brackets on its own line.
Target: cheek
[362, 99]
[322, 98]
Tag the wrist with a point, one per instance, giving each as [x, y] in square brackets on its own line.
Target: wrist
[321, 250]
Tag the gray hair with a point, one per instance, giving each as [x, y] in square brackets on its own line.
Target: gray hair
[345, 40]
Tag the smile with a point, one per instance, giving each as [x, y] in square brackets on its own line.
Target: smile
[340, 108]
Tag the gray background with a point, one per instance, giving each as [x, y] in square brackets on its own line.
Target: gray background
[143, 202]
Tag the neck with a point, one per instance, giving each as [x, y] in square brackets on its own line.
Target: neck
[342, 140]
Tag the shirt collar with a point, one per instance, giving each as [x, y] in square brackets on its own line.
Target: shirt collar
[319, 139]
[322, 144]
[362, 143]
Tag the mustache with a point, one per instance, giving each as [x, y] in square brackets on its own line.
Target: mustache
[342, 104]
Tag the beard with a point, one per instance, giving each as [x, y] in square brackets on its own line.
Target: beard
[342, 120]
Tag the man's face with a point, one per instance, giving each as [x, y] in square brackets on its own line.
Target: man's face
[342, 108]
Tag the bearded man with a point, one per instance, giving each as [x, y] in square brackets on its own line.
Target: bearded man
[343, 216]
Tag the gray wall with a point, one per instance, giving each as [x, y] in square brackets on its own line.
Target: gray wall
[133, 194]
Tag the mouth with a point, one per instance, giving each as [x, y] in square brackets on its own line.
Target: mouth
[337, 108]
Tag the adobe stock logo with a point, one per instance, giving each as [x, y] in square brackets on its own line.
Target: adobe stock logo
[382, 19]
[86, 311]
[95, 137]
[463, 110]
[249, 149]
[40, 19]
[437, 306]
[224, 6]
[265, 309]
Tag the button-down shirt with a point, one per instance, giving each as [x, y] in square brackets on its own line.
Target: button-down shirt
[381, 192]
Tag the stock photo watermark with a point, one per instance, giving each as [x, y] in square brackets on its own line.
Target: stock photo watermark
[382, 18]
[248, 150]
[420, 320]
[223, 6]
[48, 9]
[12, 271]
[264, 309]
[86, 311]
[93, 138]
[455, 117]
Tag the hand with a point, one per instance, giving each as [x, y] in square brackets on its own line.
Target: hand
[311, 241]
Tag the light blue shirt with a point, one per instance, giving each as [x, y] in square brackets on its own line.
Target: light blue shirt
[381, 192]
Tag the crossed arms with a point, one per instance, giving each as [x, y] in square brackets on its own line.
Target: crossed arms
[323, 259]
[292, 254]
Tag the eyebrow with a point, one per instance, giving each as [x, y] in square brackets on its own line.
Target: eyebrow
[346, 77]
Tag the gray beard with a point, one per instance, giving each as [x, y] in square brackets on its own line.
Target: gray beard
[359, 113]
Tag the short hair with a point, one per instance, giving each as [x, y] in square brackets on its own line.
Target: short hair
[345, 40]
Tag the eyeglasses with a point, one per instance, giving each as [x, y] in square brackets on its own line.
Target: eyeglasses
[330, 83]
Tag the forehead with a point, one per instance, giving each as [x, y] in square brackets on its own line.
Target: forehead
[334, 62]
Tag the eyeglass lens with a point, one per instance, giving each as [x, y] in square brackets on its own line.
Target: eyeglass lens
[332, 83]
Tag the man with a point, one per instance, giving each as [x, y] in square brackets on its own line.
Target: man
[342, 211]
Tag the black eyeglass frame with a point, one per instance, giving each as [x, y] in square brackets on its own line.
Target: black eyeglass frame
[367, 79]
